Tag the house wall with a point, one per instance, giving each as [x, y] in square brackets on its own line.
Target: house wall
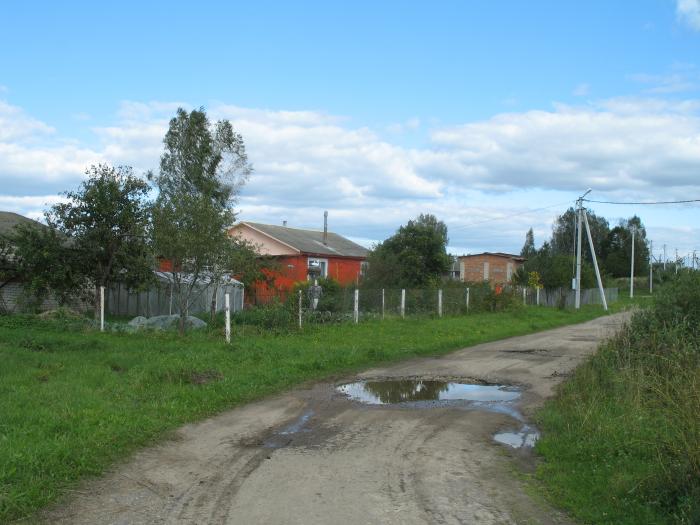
[293, 269]
[485, 267]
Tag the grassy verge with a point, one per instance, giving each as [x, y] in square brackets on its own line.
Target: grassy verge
[74, 401]
[621, 441]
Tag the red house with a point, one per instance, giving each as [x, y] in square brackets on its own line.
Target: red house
[295, 250]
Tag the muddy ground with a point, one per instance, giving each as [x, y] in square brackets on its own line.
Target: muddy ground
[312, 456]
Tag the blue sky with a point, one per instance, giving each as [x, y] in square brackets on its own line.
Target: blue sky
[377, 111]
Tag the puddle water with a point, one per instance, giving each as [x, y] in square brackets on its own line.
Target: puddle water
[526, 437]
[410, 391]
[284, 437]
[429, 394]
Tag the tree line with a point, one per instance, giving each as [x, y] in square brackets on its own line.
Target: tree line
[554, 260]
[117, 226]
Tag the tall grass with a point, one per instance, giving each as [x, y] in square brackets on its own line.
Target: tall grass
[621, 441]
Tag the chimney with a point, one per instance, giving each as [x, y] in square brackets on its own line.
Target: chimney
[325, 227]
[284, 223]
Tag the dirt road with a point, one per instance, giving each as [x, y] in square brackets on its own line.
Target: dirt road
[314, 456]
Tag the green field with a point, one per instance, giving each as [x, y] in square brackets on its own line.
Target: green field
[73, 401]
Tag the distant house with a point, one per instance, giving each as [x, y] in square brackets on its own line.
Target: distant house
[496, 268]
[296, 250]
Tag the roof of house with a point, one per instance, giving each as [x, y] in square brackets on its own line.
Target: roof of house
[497, 254]
[9, 220]
[311, 241]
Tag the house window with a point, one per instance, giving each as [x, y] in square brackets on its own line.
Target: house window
[322, 264]
[364, 265]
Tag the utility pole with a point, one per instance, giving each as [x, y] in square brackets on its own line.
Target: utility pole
[675, 264]
[595, 263]
[634, 230]
[664, 256]
[579, 224]
[651, 267]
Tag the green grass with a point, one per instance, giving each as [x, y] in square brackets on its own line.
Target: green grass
[73, 401]
[621, 440]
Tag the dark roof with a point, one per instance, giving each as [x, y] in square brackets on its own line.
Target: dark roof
[498, 254]
[311, 241]
[9, 220]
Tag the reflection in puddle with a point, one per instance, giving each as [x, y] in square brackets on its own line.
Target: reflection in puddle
[525, 438]
[283, 437]
[411, 391]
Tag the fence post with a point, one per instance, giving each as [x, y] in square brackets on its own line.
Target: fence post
[403, 302]
[524, 295]
[382, 303]
[227, 307]
[538, 295]
[102, 308]
[299, 308]
[242, 297]
[440, 303]
[467, 299]
[356, 310]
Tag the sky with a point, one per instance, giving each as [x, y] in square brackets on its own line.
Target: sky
[494, 116]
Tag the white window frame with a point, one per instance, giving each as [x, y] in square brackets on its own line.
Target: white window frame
[322, 262]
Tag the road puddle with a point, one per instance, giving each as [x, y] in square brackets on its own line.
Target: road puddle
[426, 392]
[417, 393]
[284, 437]
[525, 438]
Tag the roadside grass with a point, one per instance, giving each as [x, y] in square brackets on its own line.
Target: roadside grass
[73, 401]
[621, 440]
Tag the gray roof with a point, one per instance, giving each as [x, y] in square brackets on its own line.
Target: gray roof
[311, 241]
[9, 220]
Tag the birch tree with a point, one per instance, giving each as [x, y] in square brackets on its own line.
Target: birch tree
[201, 173]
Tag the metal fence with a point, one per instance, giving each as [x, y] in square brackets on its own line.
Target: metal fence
[350, 304]
[159, 300]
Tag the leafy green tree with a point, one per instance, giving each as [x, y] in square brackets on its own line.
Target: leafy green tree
[415, 256]
[46, 265]
[617, 249]
[201, 172]
[529, 249]
[563, 238]
[96, 238]
[105, 224]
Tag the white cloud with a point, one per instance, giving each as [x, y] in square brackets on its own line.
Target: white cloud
[308, 161]
[688, 11]
[582, 90]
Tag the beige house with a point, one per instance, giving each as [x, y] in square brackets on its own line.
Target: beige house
[496, 268]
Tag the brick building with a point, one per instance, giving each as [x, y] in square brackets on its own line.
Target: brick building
[496, 268]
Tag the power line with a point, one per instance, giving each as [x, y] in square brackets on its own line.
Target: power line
[644, 203]
[503, 217]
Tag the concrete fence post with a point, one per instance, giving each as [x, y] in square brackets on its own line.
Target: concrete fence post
[537, 295]
[467, 299]
[299, 308]
[227, 308]
[102, 308]
[440, 303]
[403, 302]
[524, 295]
[356, 310]
[382, 303]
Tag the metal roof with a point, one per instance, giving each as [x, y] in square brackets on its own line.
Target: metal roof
[311, 241]
[497, 254]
